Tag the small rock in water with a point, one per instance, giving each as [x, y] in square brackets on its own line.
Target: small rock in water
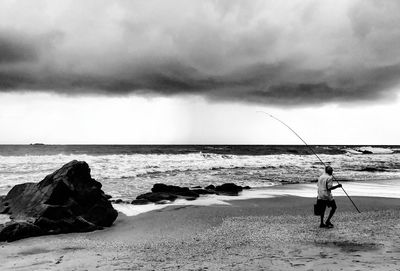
[230, 189]
[117, 201]
[203, 191]
[163, 192]
[108, 196]
[158, 196]
[163, 201]
[140, 201]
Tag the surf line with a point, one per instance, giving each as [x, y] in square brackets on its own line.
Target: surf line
[312, 150]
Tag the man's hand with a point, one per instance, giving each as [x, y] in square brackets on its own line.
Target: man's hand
[339, 185]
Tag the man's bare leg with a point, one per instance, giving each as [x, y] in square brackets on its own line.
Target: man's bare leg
[331, 213]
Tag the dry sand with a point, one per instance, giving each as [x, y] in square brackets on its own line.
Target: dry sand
[255, 234]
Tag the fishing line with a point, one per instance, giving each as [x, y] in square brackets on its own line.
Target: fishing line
[312, 150]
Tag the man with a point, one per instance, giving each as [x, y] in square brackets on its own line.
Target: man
[325, 198]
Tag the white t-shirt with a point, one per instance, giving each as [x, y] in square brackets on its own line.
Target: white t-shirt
[325, 181]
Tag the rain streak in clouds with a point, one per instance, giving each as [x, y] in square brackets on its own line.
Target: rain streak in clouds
[268, 52]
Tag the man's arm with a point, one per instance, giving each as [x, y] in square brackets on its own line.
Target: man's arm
[334, 187]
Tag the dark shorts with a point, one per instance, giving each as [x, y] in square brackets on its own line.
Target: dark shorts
[326, 203]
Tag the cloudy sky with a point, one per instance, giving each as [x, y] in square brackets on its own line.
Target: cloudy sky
[131, 72]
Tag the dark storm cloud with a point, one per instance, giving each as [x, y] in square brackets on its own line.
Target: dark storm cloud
[269, 52]
[14, 48]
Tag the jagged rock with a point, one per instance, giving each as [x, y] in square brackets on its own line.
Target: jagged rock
[68, 200]
[117, 201]
[19, 230]
[373, 169]
[210, 187]
[230, 189]
[367, 152]
[174, 190]
[140, 201]
[203, 191]
[162, 193]
[158, 196]
[163, 202]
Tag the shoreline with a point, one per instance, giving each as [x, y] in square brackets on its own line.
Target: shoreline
[279, 233]
[379, 188]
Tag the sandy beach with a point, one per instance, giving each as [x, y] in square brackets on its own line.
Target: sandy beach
[278, 233]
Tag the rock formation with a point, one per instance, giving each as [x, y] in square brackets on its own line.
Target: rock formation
[161, 193]
[68, 200]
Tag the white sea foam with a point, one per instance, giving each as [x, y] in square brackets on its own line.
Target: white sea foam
[132, 210]
[377, 150]
[372, 150]
[4, 219]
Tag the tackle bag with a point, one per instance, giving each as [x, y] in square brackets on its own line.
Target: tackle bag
[318, 208]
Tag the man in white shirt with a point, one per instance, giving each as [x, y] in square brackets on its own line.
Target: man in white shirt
[325, 198]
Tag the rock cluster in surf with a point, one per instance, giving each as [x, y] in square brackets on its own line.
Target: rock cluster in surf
[163, 193]
[68, 200]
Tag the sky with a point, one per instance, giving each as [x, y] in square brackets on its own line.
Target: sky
[197, 72]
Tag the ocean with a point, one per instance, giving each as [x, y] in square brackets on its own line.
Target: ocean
[128, 170]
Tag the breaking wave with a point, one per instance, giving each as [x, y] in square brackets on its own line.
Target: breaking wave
[126, 175]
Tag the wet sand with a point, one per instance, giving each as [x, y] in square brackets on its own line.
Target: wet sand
[253, 234]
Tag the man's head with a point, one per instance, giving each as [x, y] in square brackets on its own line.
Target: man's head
[329, 170]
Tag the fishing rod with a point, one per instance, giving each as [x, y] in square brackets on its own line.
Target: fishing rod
[312, 150]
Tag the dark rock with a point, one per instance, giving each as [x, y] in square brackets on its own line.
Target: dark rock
[372, 169]
[68, 200]
[158, 196]
[163, 202]
[173, 190]
[230, 189]
[195, 196]
[120, 201]
[189, 193]
[163, 193]
[246, 187]
[196, 187]
[5, 210]
[160, 187]
[367, 152]
[203, 191]
[210, 187]
[108, 196]
[140, 201]
[19, 230]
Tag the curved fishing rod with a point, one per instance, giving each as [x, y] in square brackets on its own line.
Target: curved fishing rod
[312, 150]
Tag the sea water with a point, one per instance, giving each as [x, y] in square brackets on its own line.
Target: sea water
[127, 171]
